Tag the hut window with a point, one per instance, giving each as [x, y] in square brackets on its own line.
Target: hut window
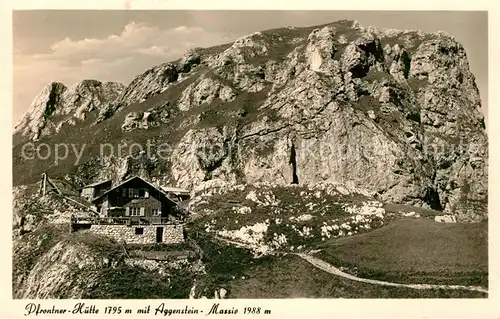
[142, 192]
[139, 230]
[133, 193]
[135, 211]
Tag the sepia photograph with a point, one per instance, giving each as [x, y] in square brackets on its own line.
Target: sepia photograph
[249, 154]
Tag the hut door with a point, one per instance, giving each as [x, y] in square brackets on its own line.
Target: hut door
[159, 234]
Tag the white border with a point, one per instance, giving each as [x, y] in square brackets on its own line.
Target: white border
[307, 308]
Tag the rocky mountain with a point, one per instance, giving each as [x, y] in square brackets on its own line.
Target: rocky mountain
[395, 113]
[289, 139]
[57, 105]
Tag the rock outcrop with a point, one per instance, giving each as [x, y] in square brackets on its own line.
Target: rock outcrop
[56, 106]
[393, 112]
[205, 91]
[151, 82]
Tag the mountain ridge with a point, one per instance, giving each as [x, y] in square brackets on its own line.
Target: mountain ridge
[58, 104]
[392, 94]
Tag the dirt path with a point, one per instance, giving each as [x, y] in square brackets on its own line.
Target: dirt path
[323, 265]
[320, 264]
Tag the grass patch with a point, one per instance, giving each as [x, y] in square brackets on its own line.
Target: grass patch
[415, 251]
[127, 282]
[161, 247]
[375, 75]
[291, 277]
[162, 251]
[100, 245]
[223, 263]
[424, 212]
[416, 84]
[412, 36]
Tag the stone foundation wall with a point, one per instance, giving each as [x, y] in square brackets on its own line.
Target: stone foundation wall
[171, 233]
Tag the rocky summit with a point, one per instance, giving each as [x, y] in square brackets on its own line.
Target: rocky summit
[57, 105]
[393, 113]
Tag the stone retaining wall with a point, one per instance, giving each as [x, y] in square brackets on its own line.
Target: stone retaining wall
[171, 233]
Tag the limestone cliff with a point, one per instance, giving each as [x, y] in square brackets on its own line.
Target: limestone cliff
[393, 112]
[56, 105]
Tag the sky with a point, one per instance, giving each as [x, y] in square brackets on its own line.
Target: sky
[69, 46]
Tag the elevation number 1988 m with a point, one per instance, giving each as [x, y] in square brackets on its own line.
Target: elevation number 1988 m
[256, 311]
